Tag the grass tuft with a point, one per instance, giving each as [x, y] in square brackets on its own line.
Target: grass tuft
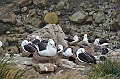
[8, 70]
[109, 69]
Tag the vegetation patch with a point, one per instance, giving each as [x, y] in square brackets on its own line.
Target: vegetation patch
[109, 69]
[8, 70]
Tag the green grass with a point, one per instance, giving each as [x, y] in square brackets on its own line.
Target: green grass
[9, 70]
[109, 69]
[4, 67]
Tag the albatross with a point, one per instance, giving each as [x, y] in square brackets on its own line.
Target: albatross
[72, 39]
[37, 40]
[59, 48]
[85, 40]
[68, 52]
[50, 49]
[101, 42]
[27, 46]
[83, 56]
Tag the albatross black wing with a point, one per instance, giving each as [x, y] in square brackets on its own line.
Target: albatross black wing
[103, 41]
[82, 57]
[42, 46]
[36, 41]
[29, 48]
[90, 58]
[69, 39]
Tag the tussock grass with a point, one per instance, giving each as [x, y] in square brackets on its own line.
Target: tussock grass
[4, 67]
[9, 71]
[109, 69]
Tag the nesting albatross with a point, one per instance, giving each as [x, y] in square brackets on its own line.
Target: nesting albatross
[68, 52]
[83, 56]
[101, 43]
[72, 39]
[85, 40]
[50, 49]
[28, 47]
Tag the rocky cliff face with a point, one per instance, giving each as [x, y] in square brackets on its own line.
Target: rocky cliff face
[19, 18]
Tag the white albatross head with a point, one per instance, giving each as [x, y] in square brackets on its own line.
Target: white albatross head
[24, 42]
[37, 37]
[80, 50]
[85, 39]
[51, 43]
[60, 47]
[96, 42]
[76, 38]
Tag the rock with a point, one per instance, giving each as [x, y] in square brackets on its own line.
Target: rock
[22, 61]
[32, 18]
[94, 23]
[3, 28]
[113, 1]
[60, 5]
[11, 39]
[44, 67]
[50, 31]
[114, 26]
[114, 54]
[89, 19]
[118, 16]
[16, 55]
[47, 67]
[4, 41]
[44, 59]
[40, 2]
[32, 12]
[24, 2]
[94, 15]
[24, 9]
[41, 24]
[29, 28]
[1, 51]
[69, 64]
[7, 14]
[91, 13]
[45, 12]
[51, 18]
[21, 30]
[78, 17]
[19, 20]
[11, 17]
[16, 9]
[99, 18]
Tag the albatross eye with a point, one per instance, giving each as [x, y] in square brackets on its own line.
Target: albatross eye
[50, 44]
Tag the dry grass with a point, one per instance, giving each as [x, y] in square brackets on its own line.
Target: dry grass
[72, 74]
[109, 69]
[8, 70]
